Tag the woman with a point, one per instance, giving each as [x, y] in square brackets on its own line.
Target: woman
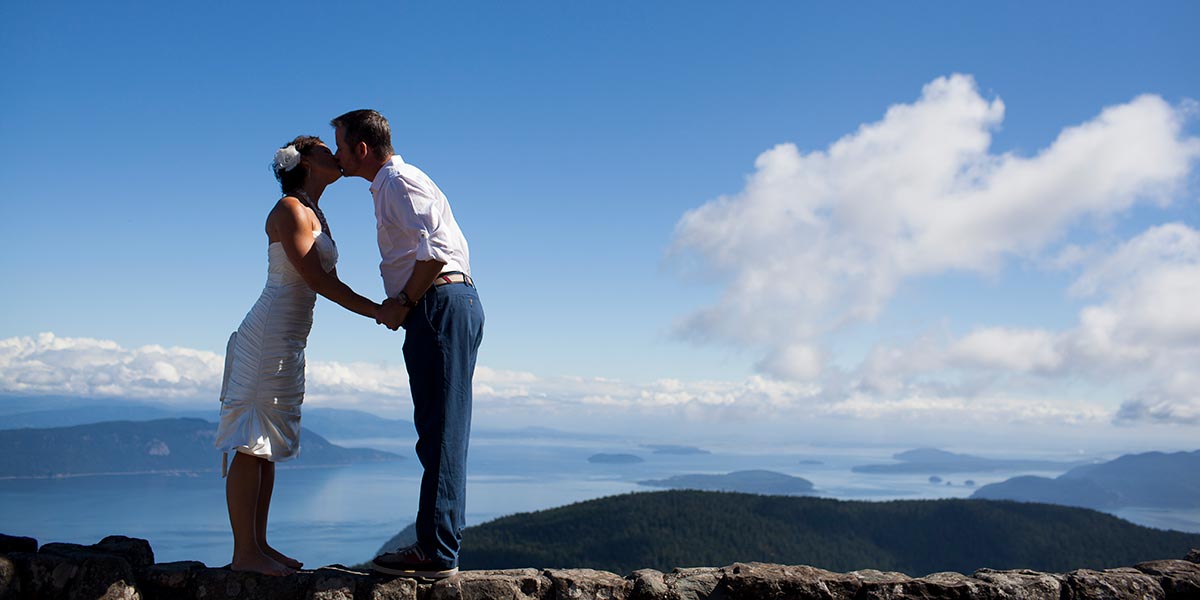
[264, 362]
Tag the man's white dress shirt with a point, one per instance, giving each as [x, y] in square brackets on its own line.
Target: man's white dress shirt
[413, 222]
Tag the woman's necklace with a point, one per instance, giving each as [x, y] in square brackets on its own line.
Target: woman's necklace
[305, 200]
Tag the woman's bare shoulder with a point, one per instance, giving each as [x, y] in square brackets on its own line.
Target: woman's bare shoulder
[288, 213]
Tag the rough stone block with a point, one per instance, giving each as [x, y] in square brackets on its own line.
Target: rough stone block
[693, 583]
[873, 576]
[513, 584]
[769, 581]
[1178, 578]
[333, 583]
[1112, 584]
[64, 550]
[136, 551]
[397, 588]
[74, 574]
[1023, 584]
[647, 584]
[10, 584]
[221, 584]
[935, 586]
[168, 580]
[586, 584]
[14, 543]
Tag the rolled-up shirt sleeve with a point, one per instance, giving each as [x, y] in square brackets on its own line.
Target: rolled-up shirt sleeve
[429, 249]
[422, 218]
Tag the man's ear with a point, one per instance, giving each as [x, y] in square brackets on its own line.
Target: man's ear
[361, 150]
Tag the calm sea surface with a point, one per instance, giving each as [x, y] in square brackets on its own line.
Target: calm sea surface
[343, 514]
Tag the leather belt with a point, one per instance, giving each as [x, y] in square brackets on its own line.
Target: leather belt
[453, 277]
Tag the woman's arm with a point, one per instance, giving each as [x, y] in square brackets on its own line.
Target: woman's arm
[290, 225]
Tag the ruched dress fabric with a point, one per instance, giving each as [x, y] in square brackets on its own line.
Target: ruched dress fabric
[263, 385]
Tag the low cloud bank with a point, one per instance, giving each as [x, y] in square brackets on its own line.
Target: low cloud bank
[90, 368]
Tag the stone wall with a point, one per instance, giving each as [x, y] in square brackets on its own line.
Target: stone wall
[121, 567]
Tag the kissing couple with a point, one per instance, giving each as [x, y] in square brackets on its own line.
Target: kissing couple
[427, 278]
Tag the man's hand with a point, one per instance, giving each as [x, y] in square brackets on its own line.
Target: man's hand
[391, 314]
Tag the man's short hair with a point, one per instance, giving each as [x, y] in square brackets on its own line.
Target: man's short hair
[368, 126]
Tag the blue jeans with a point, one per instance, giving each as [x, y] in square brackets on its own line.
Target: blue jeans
[441, 341]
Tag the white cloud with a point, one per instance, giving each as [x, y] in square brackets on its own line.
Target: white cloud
[1142, 333]
[85, 367]
[1008, 349]
[48, 364]
[819, 240]
[90, 368]
[977, 410]
[1175, 399]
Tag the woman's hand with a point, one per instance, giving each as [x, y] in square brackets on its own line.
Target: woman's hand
[391, 314]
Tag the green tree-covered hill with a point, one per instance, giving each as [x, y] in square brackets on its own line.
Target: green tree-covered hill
[663, 530]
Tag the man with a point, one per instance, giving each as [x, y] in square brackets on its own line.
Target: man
[427, 277]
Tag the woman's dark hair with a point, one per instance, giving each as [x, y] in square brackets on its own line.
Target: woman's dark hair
[367, 126]
[291, 181]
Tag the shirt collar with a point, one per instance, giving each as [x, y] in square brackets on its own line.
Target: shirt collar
[381, 175]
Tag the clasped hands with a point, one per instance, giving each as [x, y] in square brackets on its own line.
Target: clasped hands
[391, 314]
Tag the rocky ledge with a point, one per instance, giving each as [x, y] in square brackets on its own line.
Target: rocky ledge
[122, 567]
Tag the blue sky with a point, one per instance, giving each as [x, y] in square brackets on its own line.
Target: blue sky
[573, 140]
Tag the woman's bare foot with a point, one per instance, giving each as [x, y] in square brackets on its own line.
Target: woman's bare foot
[280, 557]
[259, 563]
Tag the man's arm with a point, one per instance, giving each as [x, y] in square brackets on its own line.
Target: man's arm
[393, 313]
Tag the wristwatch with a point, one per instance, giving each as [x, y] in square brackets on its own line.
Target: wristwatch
[404, 300]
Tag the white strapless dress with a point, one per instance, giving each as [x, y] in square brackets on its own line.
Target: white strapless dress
[263, 385]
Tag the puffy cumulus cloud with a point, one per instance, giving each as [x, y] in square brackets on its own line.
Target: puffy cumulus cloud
[1142, 332]
[1008, 349]
[818, 240]
[85, 367]
[1151, 319]
[1152, 283]
[1146, 318]
[49, 364]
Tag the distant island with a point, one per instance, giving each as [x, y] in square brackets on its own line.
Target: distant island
[95, 412]
[674, 449]
[750, 482]
[1149, 480]
[931, 461]
[664, 530]
[615, 459]
[180, 445]
[336, 423]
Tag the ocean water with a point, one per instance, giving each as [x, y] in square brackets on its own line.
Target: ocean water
[343, 514]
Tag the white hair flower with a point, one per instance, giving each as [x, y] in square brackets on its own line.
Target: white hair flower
[287, 158]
